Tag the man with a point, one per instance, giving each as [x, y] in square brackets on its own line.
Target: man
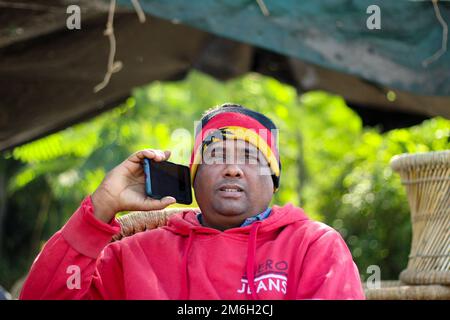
[236, 247]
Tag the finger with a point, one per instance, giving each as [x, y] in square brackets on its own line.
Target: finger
[160, 156]
[140, 155]
[153, 204]
[156, 155]
[167, 154]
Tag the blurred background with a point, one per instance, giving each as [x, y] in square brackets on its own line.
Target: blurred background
[346, 99]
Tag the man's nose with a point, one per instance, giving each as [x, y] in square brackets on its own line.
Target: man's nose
[233, 170]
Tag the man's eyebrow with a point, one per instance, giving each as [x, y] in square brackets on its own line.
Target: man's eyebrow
[246, 149]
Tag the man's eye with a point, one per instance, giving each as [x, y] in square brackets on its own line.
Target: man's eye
[252, 158]
[219, 155]
[216, 154]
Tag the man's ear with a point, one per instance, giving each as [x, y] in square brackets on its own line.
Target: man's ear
[273, 184]
[196, 174]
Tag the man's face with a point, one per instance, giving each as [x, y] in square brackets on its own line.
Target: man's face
[232, 183]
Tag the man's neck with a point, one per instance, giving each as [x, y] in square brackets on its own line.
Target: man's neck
[233, 224]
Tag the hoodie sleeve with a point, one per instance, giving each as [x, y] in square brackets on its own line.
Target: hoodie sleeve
[328, 271]
[74, 265]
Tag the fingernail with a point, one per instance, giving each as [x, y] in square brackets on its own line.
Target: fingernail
[171, 199]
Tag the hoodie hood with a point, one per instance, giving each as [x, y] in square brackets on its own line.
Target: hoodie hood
[187, 225]
[182, 223]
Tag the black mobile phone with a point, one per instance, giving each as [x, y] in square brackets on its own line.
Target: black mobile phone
[167, 179]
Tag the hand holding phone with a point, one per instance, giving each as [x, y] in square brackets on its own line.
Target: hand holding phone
[123, 188]
[167, 179]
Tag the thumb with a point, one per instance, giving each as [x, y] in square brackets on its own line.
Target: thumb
[168, 200]
[154, 204]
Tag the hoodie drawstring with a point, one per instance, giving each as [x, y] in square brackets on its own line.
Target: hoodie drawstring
[250, 268]
[184, 269]
[251, 258]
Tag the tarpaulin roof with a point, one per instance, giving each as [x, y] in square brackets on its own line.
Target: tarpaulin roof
[332, 34]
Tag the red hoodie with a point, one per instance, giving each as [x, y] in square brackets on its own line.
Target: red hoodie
[286, 256]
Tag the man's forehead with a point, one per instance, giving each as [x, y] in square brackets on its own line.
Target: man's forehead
[234, 145]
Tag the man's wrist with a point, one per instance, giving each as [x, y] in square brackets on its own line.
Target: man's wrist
[87, 234]
[102, 210]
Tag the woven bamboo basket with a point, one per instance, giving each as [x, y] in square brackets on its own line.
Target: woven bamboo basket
[426, 177]
[396, 290]
[138, 221]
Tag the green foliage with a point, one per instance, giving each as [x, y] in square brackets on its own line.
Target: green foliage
[331, 166]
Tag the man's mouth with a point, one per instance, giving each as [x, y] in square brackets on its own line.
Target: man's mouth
[230, 190]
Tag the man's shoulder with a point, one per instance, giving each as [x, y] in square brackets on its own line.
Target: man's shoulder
[313, 230]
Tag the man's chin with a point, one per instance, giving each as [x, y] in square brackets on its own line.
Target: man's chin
[229, 208]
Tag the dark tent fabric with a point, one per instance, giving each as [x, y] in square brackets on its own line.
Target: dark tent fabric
[332, 34]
